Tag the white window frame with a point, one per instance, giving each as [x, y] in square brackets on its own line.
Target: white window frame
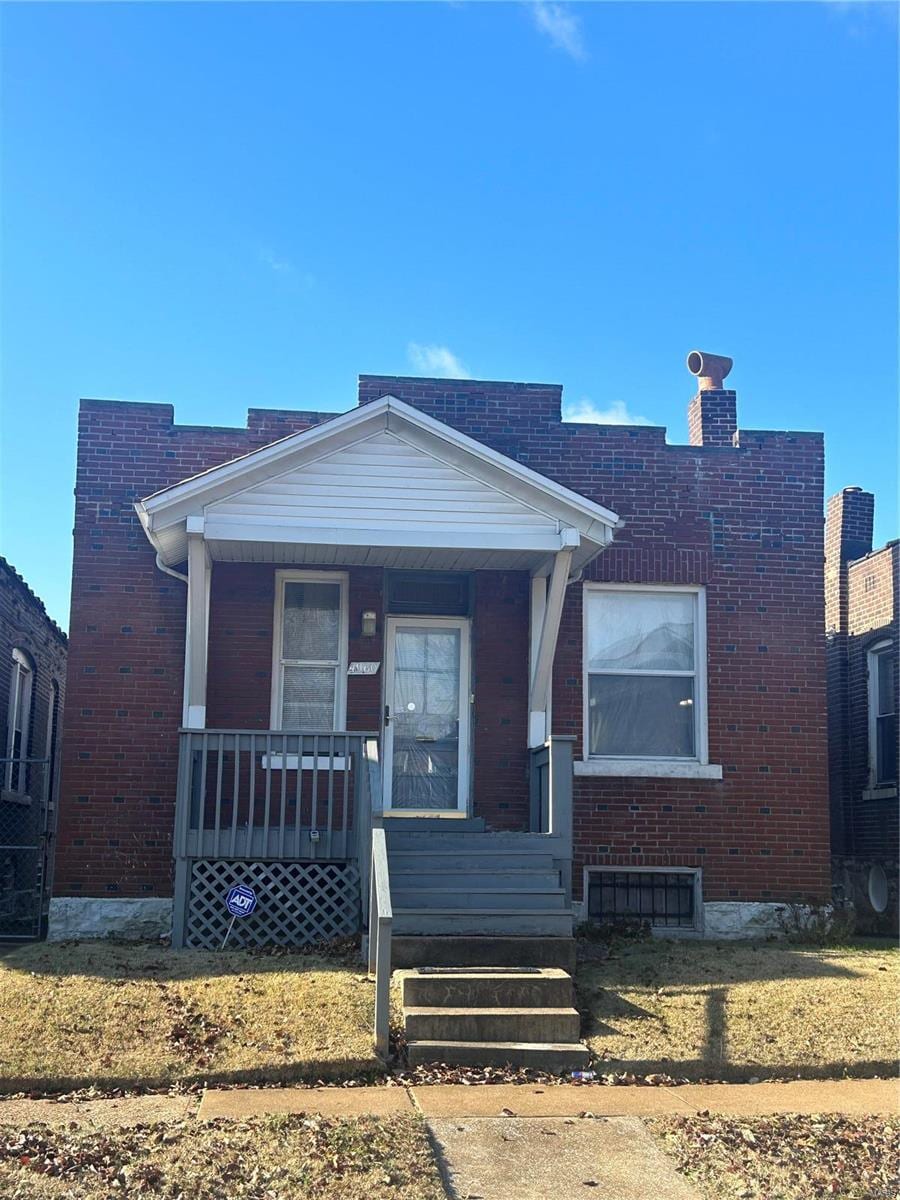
[20, 692]
[696, 767]
[657, 930]
[278, 662]
[872, 655]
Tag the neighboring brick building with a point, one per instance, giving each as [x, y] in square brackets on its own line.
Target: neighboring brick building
[32, 695]
[862, 633]
[698, 716]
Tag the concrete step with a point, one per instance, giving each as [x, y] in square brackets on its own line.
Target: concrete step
[542, 1056]
[404, 879]
[467, 860]
[537, 923]
[519, 899]
[486, 987]
[492, 1024]
[481, 951]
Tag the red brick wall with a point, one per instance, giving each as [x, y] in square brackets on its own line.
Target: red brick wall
[126, 664]
[744, 520]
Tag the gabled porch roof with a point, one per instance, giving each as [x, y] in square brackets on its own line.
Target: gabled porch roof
[382, 485]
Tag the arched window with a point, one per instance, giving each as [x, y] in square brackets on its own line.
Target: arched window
[18, 722]
[882, 714]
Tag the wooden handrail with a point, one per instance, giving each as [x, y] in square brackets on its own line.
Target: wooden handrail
[381, 919]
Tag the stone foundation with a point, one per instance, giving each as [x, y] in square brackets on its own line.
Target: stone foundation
[74, 917]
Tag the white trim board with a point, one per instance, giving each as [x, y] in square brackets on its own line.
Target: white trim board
[556, 510]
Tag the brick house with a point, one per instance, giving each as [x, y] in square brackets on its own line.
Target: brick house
[32, 696]
[569, 669]
[863, 633]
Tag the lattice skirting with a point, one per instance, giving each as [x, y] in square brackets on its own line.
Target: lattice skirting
[297, 903]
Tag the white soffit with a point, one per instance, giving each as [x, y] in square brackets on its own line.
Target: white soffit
[382, 475]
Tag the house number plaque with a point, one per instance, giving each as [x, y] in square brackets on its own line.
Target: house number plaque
[363, 668]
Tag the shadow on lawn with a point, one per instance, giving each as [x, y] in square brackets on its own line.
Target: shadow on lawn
[618, 996]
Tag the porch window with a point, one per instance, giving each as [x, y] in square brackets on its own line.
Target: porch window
[645, 684]
[311, 651]
[882, 715]
[19, 720]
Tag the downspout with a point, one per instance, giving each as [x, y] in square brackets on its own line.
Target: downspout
[170, 570]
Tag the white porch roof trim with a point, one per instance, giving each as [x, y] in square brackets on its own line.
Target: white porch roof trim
[384, 484]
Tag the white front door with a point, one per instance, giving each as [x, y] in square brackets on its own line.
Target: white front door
[426, 695]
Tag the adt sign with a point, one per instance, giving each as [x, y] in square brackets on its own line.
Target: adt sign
[241, 900]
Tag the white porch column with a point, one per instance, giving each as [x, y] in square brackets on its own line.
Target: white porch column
[546, 612]
[197, 626]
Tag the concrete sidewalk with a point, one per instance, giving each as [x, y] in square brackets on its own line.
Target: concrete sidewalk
[851, 1097]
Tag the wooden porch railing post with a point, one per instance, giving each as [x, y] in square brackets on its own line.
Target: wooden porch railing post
[561, 808]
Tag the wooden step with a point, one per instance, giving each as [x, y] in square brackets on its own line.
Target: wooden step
[517, 899]
[467, 860]
[488, 876]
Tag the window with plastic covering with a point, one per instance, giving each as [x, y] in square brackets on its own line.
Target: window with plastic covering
[311, 642]
[645, 694]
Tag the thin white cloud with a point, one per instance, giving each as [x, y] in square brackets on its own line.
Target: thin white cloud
[279, 265]
[436, 360]
[616, 413]
[561, 26]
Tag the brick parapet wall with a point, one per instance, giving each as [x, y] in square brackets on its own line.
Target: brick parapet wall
[744, 520]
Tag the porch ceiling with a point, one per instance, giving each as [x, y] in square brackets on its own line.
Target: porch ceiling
[384, 485]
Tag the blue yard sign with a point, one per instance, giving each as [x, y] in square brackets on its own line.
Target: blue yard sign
[240, 902]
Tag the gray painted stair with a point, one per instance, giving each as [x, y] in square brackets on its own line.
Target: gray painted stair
[492, 1017]
[457, 879]
[477, 896]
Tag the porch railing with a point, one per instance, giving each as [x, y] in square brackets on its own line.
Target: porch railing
[551, 774]
[381, 919]
[272, 794]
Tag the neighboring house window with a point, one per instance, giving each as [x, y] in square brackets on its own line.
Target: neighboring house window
[310, 665]
[882, 714]
[19, 720]
[645, 654]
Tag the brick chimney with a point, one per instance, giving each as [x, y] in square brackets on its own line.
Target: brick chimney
[712, 414]
[849, 522]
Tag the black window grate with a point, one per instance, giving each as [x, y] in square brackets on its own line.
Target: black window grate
[659, 897]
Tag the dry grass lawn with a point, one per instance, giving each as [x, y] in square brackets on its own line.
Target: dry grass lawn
[786, 1157]
[735, 1010]
[96, 1013]
[267, 1158]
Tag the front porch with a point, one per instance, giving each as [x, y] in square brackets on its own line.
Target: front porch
[372, 615]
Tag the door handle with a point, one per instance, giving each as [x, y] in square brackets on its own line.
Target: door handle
[387, 714]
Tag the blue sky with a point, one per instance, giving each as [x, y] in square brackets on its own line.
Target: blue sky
[230, 205]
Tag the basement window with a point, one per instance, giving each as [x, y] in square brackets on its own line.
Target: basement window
[663, 898]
